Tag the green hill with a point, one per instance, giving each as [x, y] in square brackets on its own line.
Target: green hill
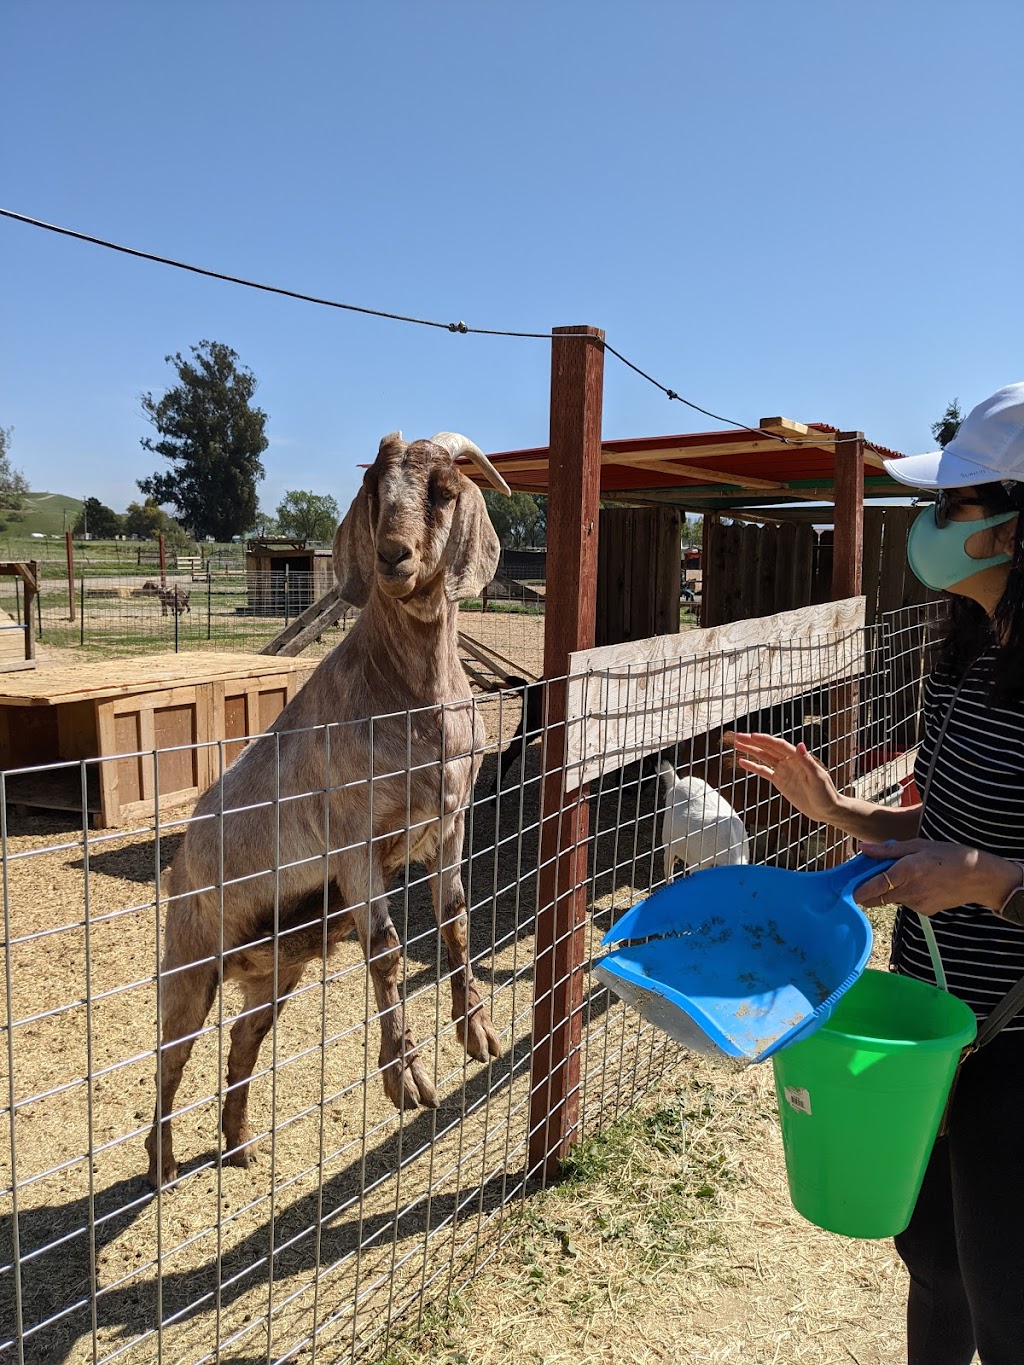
[43, 514]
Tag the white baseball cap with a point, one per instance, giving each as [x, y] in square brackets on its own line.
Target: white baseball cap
[988, 448]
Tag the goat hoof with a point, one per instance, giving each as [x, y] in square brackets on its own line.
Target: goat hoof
[478, 1036]
[410, 1087]
[241, 1156]
[170, 1171]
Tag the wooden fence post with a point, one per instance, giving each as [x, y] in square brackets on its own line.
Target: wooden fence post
[32, 580]
[163, 560]
[574, 485]
[70, 552]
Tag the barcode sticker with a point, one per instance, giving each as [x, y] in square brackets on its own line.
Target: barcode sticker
[798, 1098]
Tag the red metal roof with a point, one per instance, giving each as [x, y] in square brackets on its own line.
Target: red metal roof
[711, 470]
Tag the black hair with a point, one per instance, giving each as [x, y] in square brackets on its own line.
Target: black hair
[969, 628]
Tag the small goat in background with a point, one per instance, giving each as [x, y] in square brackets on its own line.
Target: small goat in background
[699, 827]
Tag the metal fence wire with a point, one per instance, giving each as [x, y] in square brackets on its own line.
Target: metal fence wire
[351, 1215]
[231, 610]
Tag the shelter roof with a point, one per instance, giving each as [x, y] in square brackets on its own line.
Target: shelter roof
[711, 471]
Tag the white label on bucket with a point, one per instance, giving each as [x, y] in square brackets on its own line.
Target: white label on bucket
[798, 1098]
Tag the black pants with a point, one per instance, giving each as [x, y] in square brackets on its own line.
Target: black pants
[964, 1247]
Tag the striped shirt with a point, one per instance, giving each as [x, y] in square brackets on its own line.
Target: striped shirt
[976, 797]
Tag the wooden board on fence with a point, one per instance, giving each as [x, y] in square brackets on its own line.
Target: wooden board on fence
[629, 700]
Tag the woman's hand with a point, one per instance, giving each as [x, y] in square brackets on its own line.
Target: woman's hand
[792, 770]
[929, 876]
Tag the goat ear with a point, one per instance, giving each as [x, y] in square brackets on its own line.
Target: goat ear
[471, 555]
[353, 553]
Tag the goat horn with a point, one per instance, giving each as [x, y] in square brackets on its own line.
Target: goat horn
[456, 445]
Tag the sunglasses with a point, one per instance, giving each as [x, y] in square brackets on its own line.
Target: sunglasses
[996, 498]
[945, 503]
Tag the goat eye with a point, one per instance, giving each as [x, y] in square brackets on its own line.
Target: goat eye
[441, 493]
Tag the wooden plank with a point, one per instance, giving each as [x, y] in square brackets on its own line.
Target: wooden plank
[128, 741]
[110, 797]
[893, 562]
[577, 378]
[784, 426]
[872, 561]
[76, 730]
[869, 786]
[496, 662]
[628, 700]
[318, 617]
[55, 684]
[693, 471]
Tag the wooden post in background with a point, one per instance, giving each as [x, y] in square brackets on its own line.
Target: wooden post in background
[163, 560]
[70, 552]
[574, 487]
[847, 575]
[32, 580]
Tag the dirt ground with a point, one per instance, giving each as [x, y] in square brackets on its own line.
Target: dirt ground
[353, 1213]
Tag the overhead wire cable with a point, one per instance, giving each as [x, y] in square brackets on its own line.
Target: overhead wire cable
[459, 327]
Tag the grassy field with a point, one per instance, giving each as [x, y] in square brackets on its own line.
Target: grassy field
[43, 514]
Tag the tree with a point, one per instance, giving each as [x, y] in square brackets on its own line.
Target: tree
[214, 438]
[948, 424]
[307, 516]
[145, 521]
[97, 520]
[13, 484]
[518, 520]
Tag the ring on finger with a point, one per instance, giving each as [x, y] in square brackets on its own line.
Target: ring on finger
[888, 881]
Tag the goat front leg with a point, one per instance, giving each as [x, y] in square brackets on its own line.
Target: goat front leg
[470, 1013]
[247, 1033]
[407, 1082]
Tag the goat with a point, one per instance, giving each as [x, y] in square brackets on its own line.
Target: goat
[699, 827]
[176, 598]
[414, 542]
[530, 723]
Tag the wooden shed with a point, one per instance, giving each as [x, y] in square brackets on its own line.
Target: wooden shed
[286, 576]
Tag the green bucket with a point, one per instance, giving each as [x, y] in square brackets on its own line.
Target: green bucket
[861, 1101]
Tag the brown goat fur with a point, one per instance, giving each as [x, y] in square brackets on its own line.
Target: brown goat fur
[338, 803]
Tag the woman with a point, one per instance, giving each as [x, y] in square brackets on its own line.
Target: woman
[959, 861]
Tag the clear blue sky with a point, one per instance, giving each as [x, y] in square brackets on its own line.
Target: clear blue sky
[813, 209]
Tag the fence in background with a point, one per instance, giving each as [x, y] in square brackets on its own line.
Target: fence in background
[136, 614]
[355, 1215]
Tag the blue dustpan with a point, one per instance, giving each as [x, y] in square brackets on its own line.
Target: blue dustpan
[742, 961]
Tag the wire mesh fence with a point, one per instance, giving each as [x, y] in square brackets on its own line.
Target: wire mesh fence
[338, 1201]
[114, 615]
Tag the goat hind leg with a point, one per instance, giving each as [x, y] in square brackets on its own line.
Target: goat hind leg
[187, 997]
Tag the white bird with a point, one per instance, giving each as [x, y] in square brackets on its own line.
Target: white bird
[699, 827]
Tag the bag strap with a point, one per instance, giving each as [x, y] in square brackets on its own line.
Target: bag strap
[1012, 1001]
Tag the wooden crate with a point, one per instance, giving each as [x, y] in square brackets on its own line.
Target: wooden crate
[152, 723]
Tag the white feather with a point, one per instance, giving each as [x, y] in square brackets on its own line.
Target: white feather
[699, 827]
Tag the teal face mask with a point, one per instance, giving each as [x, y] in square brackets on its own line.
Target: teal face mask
[939, 557]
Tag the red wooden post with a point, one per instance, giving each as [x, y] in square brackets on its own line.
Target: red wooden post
[69, 550]
[163, 560]
[574, 486]
[848, 545]
[847, 577]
